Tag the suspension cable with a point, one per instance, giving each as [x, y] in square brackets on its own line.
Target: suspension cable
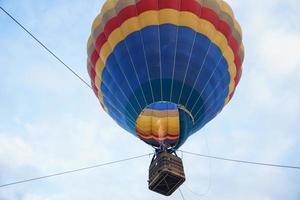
[242, 161]
[73, 171]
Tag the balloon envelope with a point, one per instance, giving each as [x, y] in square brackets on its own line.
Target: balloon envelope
[162, 69]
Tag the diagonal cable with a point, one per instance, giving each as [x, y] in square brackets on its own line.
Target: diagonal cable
[181, 194]
[243, 161]
[72, 171]
[45, 47]
[132, 121]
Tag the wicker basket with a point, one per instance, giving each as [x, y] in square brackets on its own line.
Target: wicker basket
[166, 173]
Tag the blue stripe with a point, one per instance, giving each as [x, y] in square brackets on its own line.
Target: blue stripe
[141, 50]
[163, 106]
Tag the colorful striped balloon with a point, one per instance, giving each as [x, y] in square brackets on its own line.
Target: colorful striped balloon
[162, 69]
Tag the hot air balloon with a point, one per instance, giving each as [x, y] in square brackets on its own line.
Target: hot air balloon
[162, 69]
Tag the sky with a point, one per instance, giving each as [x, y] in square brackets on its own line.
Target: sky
[51, 122]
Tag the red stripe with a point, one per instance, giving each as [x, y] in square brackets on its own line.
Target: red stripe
[175, 4]
[192, 6]
[154, 135]
[145, 5]
[157, 143]
[225, 29]
[101, 39]
[231, 95]
[186, 5]
[130, 12]
[92, 73]
[102, 105]
[210, 16]
[94, 59]
[95, 89]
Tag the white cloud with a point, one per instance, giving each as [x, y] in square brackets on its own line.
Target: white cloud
[15, 150]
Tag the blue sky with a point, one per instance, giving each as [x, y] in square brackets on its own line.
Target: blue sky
[51, 122]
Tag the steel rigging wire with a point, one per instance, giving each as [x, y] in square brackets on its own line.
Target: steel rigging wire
[73, 171]
[136, 157]
[45, 47]
[181, 194]
[242, 161]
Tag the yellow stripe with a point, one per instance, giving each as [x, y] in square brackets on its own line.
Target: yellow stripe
[153, 124]
[154, 119]
[236, 29]
[158, 125]
[146, 125]
[99, 69]
[108, 5]
[169, 16]
[111, 4]
[97, 84]
[111, 7]
[225, 7]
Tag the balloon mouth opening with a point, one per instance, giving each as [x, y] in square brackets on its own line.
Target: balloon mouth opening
[169, 104]
[162, 105]
[159, 124]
